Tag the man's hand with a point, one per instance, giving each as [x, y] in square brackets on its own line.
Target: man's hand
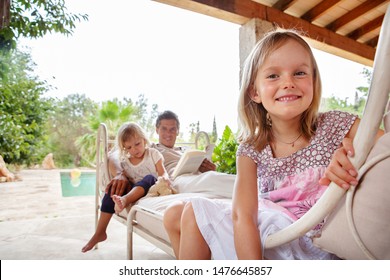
[207, 166]
[118, 185]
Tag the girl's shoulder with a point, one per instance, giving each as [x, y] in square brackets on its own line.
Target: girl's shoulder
[333, 125]
[335, 117]
[154, 154]
[153, 150]
[245, 148]
[248, 150]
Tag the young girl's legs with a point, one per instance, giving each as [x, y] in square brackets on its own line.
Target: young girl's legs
[121, 202]
[192, 244]
[140, 189]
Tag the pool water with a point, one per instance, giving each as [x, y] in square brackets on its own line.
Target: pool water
[78, 183]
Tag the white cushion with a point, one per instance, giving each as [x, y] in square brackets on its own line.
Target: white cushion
[371, 212]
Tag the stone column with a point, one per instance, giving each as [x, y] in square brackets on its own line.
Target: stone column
[250, 33]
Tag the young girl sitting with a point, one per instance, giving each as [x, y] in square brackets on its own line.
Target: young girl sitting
[287, 156]
[142, 166]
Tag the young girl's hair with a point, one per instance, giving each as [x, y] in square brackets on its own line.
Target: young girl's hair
[128, 131]
[253, 116]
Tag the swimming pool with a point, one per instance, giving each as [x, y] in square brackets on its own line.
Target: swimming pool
[78, 183]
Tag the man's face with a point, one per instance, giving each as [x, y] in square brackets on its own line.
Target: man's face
[167, 132]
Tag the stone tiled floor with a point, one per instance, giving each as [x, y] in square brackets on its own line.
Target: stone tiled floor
[37, 223]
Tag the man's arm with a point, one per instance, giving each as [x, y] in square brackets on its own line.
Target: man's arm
[119, 182]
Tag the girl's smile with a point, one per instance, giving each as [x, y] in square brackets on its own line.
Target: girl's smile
[287, 98]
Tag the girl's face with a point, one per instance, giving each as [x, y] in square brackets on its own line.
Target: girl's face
[135, 146]
[284, 83]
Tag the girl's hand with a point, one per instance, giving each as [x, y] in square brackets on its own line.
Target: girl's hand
[166, 178]
[340, 170]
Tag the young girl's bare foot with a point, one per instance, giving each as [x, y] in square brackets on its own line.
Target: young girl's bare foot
[120, 203]
[96, 238]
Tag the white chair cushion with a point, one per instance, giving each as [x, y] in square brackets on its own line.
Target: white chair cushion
[371, 212]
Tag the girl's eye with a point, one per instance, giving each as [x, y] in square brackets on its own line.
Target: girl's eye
[272, 76]
[300, 73]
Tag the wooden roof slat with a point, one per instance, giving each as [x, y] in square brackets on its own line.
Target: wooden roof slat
[357, 33]
[353, 14]
[318, 10]
[283, 5]
[373, 42]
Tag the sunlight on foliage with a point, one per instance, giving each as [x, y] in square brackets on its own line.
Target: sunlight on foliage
[224, 155]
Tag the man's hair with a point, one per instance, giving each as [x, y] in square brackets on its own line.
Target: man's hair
[167, 115]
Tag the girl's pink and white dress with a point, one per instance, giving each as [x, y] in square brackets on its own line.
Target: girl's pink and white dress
[288, 188]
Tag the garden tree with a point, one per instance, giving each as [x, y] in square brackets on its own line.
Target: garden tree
[194, 129]
[34, 19]
[23, 110]
[113, 113]
[360, 98]
[214, 134]
[364, 89]
[335, 103]
[68, 121]
[146, 121]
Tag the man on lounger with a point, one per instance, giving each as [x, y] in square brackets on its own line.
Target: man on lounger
[167, 128]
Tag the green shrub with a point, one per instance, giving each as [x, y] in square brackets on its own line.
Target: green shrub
[224, 155]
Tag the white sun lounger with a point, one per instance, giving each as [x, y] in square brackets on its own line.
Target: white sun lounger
[145, 216]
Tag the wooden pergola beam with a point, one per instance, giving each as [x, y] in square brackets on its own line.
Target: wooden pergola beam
[241, 11]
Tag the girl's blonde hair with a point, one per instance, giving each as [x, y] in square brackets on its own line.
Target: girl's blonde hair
[127, 131]
[252, 116]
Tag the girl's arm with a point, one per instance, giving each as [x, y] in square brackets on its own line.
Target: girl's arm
[340, 170]
[245, 205]
[161, 171]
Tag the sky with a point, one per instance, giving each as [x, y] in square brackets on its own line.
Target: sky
[182, 61]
